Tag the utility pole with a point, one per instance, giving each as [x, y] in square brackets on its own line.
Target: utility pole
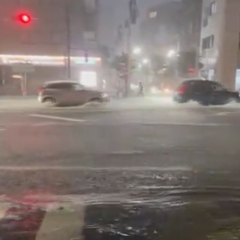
[129, 57]
[68, 44]
[133, 15]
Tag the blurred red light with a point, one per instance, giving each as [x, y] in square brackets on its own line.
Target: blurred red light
[24, 18]
[182, 89]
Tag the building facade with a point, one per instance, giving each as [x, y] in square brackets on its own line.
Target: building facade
[190, 32]
[160, 31]
[219, 49]
[175, 26]
[58, 30]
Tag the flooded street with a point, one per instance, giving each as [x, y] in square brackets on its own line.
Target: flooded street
[170, 173]
[126, 204]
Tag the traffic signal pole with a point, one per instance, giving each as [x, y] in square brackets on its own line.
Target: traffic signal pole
[68, 44]
[133, 15]
[129, 59]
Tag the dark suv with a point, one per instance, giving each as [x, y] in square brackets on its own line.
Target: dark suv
[204, 92]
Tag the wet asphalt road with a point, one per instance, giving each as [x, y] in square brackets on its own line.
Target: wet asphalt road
[140, 174]
[56, 143]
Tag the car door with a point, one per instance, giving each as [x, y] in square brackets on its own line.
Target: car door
[202, 91]
[219, 94]
[67, 92]
[199, 91]
[81, 94]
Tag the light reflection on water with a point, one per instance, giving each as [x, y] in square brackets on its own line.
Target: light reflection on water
[150, 204]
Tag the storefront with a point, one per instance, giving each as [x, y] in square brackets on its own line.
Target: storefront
[33, 71]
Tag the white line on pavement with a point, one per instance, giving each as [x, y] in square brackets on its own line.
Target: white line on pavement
[186, 124]
[4, 206]
[61, 225]
[2, 129]
[44, 124]
[223, 113]
[127, 152]
[57, 118]
[73, 168]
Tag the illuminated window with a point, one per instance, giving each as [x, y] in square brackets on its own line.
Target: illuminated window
[213, 8]
[88, 78]
[152, 14]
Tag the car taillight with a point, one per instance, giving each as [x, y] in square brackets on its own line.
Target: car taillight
[40, 90]
[182, 89]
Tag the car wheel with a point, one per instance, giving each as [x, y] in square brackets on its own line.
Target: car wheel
[50, 102]
[205, 103]
[96, 100]
[182, 100]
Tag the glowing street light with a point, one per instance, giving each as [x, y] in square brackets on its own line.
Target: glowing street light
[171, 53]
[145, 61]
[137, 50]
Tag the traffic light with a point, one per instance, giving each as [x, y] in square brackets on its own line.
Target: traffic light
[24, 18]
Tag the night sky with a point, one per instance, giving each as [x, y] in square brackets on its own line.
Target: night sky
[114, 12]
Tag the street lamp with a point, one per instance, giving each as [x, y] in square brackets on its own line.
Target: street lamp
[171, 53]
[137, 50]
[145, 61]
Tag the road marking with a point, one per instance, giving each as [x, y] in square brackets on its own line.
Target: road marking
[61, 225]
[223, 113]
[187, 124]
[57, 118]
[73, 168]
[4, 206]
[227, 113]
[127, 152]
[44, 124]
[2, 129]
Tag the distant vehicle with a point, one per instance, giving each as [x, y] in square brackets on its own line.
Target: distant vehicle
[66, 93]
[156, 91]
[204, 92]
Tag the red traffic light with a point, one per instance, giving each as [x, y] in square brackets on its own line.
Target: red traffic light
[24, 18]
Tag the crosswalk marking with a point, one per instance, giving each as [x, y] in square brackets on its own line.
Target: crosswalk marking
[62, 224]
[56, 223]
[4, 206]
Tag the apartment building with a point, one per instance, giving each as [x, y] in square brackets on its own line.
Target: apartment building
[190, 25]
[160, 31]
[175, 25]
[219, 48]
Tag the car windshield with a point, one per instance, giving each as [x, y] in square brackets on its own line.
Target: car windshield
[115, 122]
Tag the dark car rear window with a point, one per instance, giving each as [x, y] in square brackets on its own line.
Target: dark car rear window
[196, 85]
